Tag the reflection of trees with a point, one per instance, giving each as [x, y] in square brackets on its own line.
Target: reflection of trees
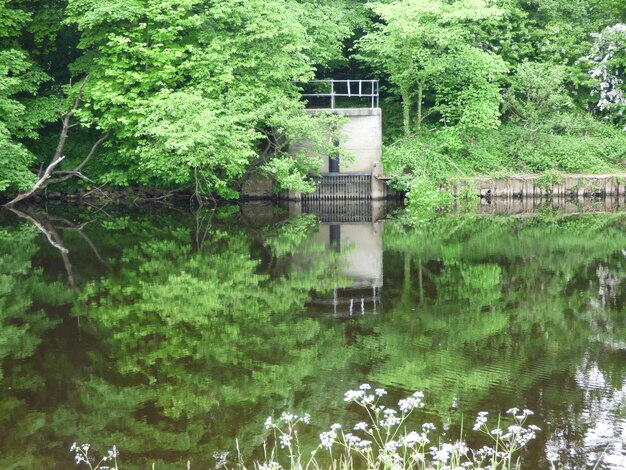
[190, 342]
[506, 312]
[24, 291]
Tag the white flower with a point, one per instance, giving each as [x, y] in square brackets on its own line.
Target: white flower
[392, 446]
[365, 387]
[481, 420]
[484, 451]
[362, 426]
[380, 392]
[413, 438]
[364, 443]
[285, 440]
[442, 454]
[390, 421]
[268, 422]
[428, 427]
[328, 438]
[552, 456]
[271, 465]
[335, 426]
[515, 429]
[512, 411]
[306, 418]
[351, 440]
[461, 448]
[353, 395]
[367, 399]
[408, 404]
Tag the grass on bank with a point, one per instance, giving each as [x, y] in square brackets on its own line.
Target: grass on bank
[564, 143]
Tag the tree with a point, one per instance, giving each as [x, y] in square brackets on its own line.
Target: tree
[191, 91]
[419, 44]
[16, 76]
[608, 65]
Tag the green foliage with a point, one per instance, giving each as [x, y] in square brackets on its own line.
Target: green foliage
[14, 68]
[549, 178]
[567, 142]
[544, 127]
[423, 47]
[200, 106]
[201, 94]
[537, 91]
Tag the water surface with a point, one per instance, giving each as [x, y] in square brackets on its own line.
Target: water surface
[170, 333]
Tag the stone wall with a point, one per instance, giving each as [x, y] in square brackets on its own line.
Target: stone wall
[528, 186]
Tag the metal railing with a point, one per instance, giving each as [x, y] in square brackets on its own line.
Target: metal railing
[348, 89]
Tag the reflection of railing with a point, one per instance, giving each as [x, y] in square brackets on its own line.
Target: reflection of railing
[348, 89]
[347, 303]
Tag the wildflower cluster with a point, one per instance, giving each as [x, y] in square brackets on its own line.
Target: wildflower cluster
[383, 440]
[506, 443]
[285, 431]
[82, 457]
[605, 67]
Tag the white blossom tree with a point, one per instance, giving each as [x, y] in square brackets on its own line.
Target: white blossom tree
[608, 66]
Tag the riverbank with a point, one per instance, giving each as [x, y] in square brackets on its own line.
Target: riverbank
[516, 186]
[553, 184]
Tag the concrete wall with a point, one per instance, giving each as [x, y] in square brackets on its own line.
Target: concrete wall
[529, 206]
[363, 138]
[568, 185]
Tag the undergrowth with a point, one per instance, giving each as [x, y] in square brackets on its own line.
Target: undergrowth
[425, 163]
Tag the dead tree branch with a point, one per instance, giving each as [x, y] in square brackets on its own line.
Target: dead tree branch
[58, 157]
[76, 171]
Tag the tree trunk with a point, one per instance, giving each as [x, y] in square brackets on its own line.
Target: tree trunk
[406, 111]
[420, 95]
[58, 157]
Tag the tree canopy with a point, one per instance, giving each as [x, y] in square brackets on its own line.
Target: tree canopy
[201, 94]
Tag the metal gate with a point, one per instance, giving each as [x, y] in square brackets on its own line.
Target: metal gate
[341, 187]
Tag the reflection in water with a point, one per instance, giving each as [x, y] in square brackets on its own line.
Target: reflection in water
[196, 330]
[360, 261]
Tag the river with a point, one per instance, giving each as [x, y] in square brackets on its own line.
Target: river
[172, 333]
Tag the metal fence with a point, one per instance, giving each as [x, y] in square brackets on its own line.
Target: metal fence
[346, 89]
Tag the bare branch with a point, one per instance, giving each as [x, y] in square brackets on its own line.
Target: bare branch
[38, 184]
[58, 154]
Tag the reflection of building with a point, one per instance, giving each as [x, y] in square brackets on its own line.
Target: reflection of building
[360, 261]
